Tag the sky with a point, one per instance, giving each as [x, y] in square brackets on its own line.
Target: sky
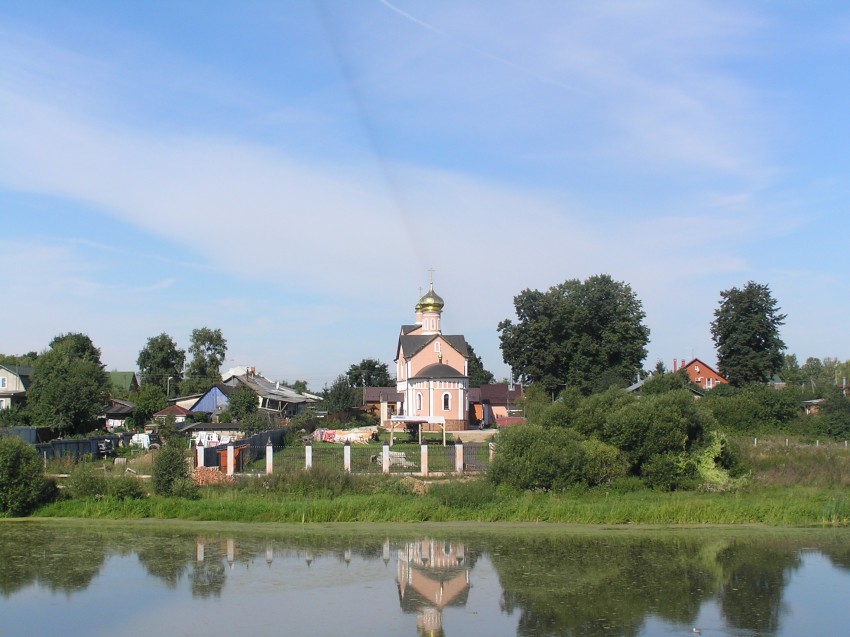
[290, 172]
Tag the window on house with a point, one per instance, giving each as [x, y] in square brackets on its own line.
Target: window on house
[2, 404]
[436, 346]
[447, 402]
[2, 382]
[419, 402]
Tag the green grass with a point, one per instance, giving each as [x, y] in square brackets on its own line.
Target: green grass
[790, 486]
[473, 502]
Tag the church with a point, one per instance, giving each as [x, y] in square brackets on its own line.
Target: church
[432, 381]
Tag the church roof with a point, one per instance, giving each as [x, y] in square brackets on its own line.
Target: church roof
[431, 302]
[412, 343]
[439, 370]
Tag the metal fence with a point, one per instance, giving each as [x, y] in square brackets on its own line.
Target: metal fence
[401, 459]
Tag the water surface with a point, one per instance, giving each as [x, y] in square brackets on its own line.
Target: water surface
[147, 579]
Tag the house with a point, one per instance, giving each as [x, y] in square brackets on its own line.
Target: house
[14, 380]
[812, 407]
[381, 402]
[700, 374]
[116, 413]
[179, 413]
[492, 404]
[128, 381]
[213, 401]
[273, 397]
[432, 371]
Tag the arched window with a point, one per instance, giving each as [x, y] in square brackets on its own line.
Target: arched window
[418, 401]
[436, 346]
[447, 402]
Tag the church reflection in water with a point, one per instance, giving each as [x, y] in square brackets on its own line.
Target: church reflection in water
[432, 575]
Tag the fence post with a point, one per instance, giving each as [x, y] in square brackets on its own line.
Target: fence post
[199, 451]
[346, 457]
[459, 457]
[492, 447]
[230, 460]
[385, 458]
[423, 457]
[269, 457]
[308, 455]
[755, 442]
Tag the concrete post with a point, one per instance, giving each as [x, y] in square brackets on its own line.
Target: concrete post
[459, 457]
[199, 451]
[269, 457]
[423, 457]
[308, 455]
[346, 457]
[230, 460]
[492, 447]
[385, 458]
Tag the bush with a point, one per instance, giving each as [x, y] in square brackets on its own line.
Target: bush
[169, 466]
[538, 458]
[22, 483]
[669, 471]
[87, 480]
[185, 488]
[126, 488]
[657, 424]
[603, 463]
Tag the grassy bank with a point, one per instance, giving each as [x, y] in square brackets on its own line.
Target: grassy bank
[792, 485]
[797, 506]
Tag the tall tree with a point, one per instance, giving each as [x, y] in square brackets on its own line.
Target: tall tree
[369, 373]
[208, 349]
[340, 396]
[243, 402]
[148, 400]
[160, 360]
[68, 385]
[475, 367]
[746, 334]
[588, 335]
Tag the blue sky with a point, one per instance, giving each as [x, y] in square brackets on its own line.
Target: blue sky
[288, 172]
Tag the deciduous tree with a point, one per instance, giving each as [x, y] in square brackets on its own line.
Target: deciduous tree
[208, 350]
[475, 367]
[159, 360]
[584, 334]
[746, 334]
[369, 373]
[68, 385]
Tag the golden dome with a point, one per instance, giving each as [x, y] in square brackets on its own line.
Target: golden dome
[431, 302]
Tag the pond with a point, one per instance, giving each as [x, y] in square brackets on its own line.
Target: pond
[146, 578]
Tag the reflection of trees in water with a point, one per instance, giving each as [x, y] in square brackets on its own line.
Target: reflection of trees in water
[40, 555]
[167, 558]
[756, 575]
[208, 577]
[603, 585]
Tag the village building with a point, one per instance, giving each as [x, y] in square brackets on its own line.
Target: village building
[14, 380]
[700, 374]
[432, 381]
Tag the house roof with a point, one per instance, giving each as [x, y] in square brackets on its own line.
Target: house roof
[499, 394]
[270, 389]
[123, 380]
[704, 364]
[21, 372]
[379, 394]
[173, 410]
